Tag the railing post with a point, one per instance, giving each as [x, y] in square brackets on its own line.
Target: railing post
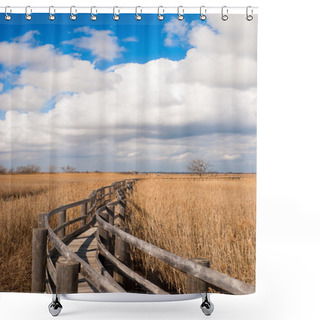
[103, 233]
[120, 213]
[110, 210]
[39, 259]
[62, 220]
[41, 221]
[83, 212]
[67, 276]
[102, 193]
[195, 285]
[121, 253]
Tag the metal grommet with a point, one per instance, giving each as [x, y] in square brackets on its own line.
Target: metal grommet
[73, 14]
[28, 13]
[52, 16]
[116, 16]
[138, 16]
[93, 16]
[224, 13]
[6, 10]
[203, 12]
[180, 14]
[160, 16]
[249, 17]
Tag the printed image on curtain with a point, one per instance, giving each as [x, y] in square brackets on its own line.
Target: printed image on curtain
[128, 154]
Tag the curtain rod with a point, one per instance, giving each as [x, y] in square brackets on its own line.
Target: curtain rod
[141, 9]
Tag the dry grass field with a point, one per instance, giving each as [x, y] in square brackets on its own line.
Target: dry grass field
[22, 197]
[211, 217]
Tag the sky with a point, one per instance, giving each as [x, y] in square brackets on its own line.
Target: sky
[143, 95]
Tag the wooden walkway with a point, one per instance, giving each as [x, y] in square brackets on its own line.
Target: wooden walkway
[85, 246]
[79, 252]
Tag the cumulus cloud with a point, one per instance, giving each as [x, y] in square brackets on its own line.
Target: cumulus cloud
[153, 116]
[176, 32]
[27, 37]
[102, 43]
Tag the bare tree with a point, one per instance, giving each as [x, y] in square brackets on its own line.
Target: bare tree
[3, 170]
[198, 166]
[30, 168]
[68, 169]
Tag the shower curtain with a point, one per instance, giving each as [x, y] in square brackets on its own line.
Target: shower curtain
[128, 152]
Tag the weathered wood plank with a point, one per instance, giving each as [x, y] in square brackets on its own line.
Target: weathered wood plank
[39, 253]
[98, 281]
[67, 276]
[62, 220]
[51, 270]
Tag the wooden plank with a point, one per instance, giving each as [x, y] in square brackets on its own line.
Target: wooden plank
[39, 252]
[62, 220]
[98, 281]
[51, 270]
[67, 276]
[85, 247]
[104, 272]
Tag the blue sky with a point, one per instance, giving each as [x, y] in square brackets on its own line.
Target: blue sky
[143, 95]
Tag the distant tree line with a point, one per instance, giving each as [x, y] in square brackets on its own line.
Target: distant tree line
[33, 168]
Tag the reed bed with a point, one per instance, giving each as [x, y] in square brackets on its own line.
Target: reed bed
[22, 197]
[211, 217]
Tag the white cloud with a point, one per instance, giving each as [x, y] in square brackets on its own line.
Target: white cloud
[130, 39]
[26, 98]
[176, 31]
[40, 58]
[102, 43]
[231, 156]
[162, 113]
[1, 86]
[27, 37]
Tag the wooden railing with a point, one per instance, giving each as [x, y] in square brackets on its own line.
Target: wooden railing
[106, 207]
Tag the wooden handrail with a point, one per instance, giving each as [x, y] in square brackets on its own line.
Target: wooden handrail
[68, 223]
[208, 275]
[105, 283]
[100, 282]
[127, 271]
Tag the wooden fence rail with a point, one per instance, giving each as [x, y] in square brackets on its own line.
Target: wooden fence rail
[105, 209]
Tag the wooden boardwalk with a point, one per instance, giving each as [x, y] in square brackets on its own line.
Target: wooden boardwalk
[85, 246]
[84, 254]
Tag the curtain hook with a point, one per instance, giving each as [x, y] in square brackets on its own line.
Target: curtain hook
[249, 17]
[160, 16]
[93, 16]
[138, 16]
[180, 14]
[73, 15]
[28, 13]
[203, 12]
[224, 13]
[7, 16]
[116, 16]
[52, 16]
